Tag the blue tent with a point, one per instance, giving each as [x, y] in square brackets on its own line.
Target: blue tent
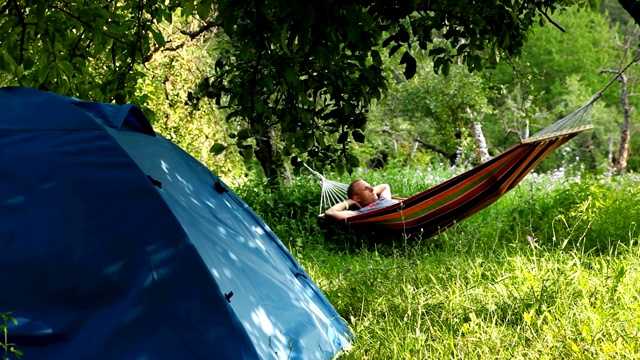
[116, 244]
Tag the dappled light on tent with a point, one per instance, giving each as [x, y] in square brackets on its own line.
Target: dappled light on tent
[143, 252]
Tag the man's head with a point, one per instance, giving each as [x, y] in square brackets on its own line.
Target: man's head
[361, 192]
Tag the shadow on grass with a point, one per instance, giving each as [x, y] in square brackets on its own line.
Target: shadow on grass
[341, 237]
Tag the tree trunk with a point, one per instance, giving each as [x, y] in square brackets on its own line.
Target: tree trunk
[525, 131]
[286, 174]
[270, 160]
[482, 152]
[386, 130]
[623, 152]
[414, 147]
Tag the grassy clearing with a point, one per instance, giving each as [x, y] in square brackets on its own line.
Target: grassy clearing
[549, 271]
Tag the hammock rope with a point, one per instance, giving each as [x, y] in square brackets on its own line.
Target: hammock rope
[575, 121]
[333, 192]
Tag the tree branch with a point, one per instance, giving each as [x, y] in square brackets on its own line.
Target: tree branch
[602, 71]
[548, 18]
[23, 25]
[513, 131]
[4, 8]
[74, 50]
[194, 34]
[155, 50]
[87, 24]
[619, 74]
[449, 156]
[138, 43]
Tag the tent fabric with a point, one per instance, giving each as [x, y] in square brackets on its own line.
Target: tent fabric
[116, 244]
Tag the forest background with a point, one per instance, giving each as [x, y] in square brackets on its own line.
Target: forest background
[428, 120]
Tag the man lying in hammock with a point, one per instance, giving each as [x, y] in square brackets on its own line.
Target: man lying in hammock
[363, 197]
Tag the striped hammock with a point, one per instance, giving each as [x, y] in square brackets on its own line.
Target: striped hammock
[442, 206]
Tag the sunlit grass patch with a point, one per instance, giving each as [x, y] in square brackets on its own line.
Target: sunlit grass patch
[549, 271]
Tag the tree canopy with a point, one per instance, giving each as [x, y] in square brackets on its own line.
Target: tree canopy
[298, 77]
[302, 75]
[436, 111]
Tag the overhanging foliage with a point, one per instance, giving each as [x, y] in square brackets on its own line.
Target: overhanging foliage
[303, 75]
[298, 76]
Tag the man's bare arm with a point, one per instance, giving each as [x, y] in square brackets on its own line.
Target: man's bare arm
[340, 210]
[383, 190]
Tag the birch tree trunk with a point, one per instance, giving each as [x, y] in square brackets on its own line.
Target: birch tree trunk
[625, 136]
[386, 130]
[414, 147]
[482, 151]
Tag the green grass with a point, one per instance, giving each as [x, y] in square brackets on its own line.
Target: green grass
[549, 271]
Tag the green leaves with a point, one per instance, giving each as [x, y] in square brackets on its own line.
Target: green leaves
[158, 37]
[9, 63]
[432, 108]
[314, 67]
[89, 50]
[188, 7]
[304, 74]
[244, 134]
[410, 65]
[285, 68]
[376, 58]
[342, 139]
[5, 320]
[353, 161]
[217, 148]
[358, 136]
[204, 9]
